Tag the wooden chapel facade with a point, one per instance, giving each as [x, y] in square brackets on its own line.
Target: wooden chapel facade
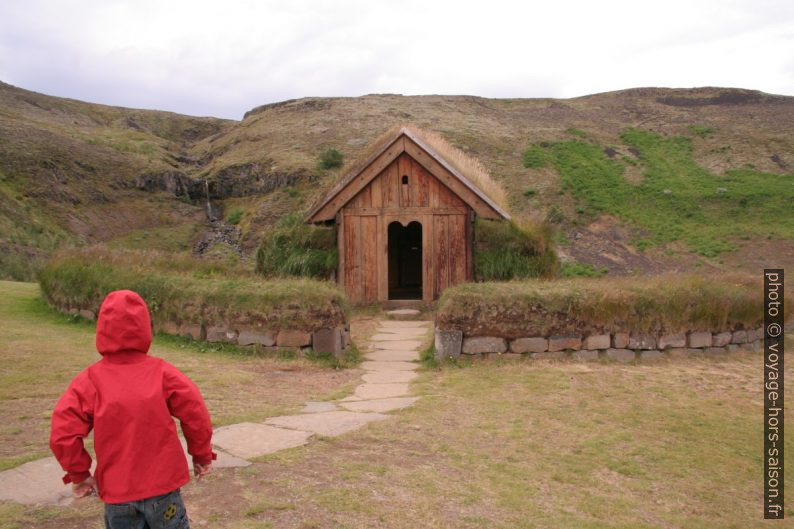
[404, 223]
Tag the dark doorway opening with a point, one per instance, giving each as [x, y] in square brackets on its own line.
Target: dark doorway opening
[405, 261]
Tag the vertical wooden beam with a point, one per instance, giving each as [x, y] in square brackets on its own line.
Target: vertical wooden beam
[365, 197]
[351, 257]
[391, 186]
[414, 182]
[369, 259]
[340, 248]
[376, 192]
[433, 191]
[442, 255]
[359, 261]
[428, 258]
[382, 260]
[470, 245]
[422, 185]
[457, 249]
[405, 190]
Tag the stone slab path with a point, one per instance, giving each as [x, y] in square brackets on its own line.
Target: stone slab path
[390, 363]
[388, 377]
[328, 423]
[378, 367]
[380, 405]
[247, 439]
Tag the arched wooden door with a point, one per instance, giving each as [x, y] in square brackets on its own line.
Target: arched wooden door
[404, 248]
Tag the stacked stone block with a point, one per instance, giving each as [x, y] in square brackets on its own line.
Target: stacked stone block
[618, 346]
[332, 340]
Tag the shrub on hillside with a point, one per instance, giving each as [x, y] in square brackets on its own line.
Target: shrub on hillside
[235, 217]
[504, 250]
[294, 248]
[330, 159]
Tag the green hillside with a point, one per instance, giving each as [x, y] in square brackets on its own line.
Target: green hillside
[677, 199]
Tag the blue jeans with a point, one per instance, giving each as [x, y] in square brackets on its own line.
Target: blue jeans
[159, 512]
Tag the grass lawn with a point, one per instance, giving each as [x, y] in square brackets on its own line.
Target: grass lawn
[506, 444]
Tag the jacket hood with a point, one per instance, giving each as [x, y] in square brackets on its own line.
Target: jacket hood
[123, 324]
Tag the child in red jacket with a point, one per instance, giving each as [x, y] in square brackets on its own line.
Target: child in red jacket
[129, 398]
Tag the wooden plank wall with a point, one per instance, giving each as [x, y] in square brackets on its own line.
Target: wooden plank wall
[446, 247]
[351, 261]
[450, 251]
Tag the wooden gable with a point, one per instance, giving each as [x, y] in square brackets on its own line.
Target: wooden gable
[423, 159]
[404, 187]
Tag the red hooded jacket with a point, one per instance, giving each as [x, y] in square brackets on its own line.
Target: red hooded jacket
[129, 398]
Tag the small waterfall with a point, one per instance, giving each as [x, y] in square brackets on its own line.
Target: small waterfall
[209, 205]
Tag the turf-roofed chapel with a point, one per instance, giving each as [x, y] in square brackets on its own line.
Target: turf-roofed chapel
[405, 217]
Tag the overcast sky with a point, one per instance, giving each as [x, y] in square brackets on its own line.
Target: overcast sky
[224, 57]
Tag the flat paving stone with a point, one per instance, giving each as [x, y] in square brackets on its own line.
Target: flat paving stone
[389, 377]
[404, 324]
[381, 391]
[388, 355]
[381, 405]
[249, 440]
[316, 407]
[412, 326]
[398, 344]
[224, 460]
[403, 312]
[371, 365]
[413, 331]
[36, 483]
[396, 336]
[330, 423]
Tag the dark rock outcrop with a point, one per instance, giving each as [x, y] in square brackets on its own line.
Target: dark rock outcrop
[175, 182]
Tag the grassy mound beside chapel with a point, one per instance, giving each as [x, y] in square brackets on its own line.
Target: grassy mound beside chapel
[505, 250]
[182, 289]
[294, 248]
[663, 304]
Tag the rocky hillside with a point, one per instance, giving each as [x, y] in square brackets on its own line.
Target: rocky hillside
[73, 172]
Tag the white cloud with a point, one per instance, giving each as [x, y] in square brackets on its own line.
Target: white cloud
[221, 58]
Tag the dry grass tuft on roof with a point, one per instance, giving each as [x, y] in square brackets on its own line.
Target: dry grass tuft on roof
[471, 168]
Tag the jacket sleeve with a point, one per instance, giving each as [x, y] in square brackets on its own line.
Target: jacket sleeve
[72, 420]
[186, 404]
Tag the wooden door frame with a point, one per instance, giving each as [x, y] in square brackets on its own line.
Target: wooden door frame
[383, 272]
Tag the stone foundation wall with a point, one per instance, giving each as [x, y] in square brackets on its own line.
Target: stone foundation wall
[335, 340]
[623, 347]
